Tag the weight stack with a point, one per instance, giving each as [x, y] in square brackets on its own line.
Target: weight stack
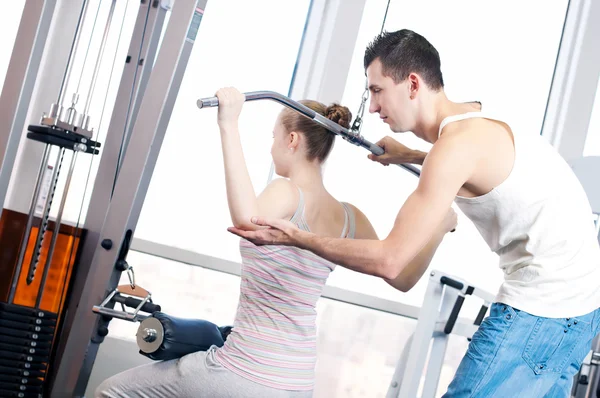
[26, 336]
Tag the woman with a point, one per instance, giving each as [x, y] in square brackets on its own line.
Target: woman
[271, 350]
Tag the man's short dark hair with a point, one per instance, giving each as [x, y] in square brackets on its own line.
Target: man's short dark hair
[404, 52]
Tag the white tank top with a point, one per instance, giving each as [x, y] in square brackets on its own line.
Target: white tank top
[539, 222]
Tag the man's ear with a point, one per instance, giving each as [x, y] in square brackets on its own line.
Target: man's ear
[414, 84]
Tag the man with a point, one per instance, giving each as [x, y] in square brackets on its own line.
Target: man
[520, 194]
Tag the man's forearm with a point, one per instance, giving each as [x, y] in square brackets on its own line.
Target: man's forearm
[416, 157]
[411, 274]
[360, 255]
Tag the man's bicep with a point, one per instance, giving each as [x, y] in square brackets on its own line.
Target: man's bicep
[442, 175]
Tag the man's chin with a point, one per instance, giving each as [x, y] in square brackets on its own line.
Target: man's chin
[394, 128]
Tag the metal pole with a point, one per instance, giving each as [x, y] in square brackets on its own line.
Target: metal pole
[37, 248]
[99, 59]
[74, 47]
[335, 128]
[25, 239]
[145, 63]
[56, 231]
[407, 376]
[438, 346]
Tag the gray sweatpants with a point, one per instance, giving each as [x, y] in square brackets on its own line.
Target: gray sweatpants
[195, 375]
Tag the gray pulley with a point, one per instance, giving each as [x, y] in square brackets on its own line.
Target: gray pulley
[150, 335]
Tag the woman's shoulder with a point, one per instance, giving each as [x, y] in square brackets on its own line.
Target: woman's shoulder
[282, 184]
[363, 227]
[279, 199]
[284, 189]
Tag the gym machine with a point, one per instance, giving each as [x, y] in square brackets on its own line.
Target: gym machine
[44, 257]
[587, 381]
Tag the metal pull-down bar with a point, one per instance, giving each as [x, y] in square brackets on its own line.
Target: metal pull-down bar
[349, 135]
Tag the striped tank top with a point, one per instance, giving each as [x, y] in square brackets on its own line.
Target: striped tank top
[274, 341]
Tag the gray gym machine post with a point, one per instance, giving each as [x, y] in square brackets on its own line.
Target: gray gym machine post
[438, 319]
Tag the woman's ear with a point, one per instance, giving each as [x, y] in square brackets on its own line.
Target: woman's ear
[294, 141]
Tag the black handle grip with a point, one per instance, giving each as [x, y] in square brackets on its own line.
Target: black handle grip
[134, 303]
[481, 314]
[454, 314]
[451, 282]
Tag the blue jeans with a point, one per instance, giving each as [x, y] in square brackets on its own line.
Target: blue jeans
[516, 354]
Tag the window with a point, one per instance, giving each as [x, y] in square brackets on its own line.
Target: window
[11, 18]
[487, 51]
[592, 142]
[186, 204]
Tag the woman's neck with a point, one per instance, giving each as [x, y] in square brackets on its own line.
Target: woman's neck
[308, 177]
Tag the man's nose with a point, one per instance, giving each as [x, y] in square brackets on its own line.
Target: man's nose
[374, 106]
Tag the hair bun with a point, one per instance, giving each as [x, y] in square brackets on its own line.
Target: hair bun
[339, 114]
